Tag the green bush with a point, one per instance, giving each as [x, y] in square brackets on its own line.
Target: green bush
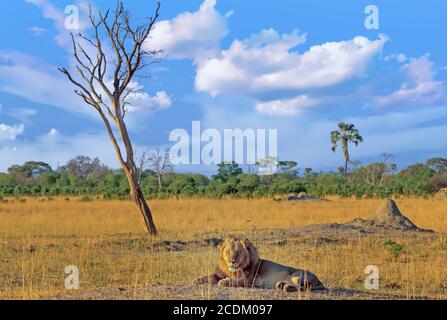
[394, 248]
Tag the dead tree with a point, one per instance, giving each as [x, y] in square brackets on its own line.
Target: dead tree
[160, 163]
[142, 163]
[104, 82]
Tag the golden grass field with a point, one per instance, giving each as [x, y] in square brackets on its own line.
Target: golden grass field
[107, 241]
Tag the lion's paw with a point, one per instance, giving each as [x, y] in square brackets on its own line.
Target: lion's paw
[290, 288]
[280, 285]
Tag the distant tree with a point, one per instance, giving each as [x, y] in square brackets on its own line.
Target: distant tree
[417, 169]
[342, 171]
[183, 184]
[200, 180]
[159, 162]
[438, 164]
[346, 133]
[107, 61]
[355, 165]
[48, 179]
[307, 172]
[27, 173]
[377, 172]
[415, 179]
[267, 166]
[83, 167]
[387, 160]
[6, 180]
[353, 169]
[288, 167]
[249, 182]
[372, 174]
[142, 163]
[226, 170]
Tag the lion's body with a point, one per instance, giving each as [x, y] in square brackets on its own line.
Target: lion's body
[240, 265]
[271, 273]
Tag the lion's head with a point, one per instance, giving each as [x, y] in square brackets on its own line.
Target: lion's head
[235, 255]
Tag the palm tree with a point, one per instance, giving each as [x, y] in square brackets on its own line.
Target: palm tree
[346, 134]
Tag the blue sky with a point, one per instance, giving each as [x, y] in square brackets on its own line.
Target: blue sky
[297, 66]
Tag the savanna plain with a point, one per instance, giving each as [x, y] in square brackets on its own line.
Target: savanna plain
[107, 242]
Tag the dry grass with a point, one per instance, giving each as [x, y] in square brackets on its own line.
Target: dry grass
[107, 241]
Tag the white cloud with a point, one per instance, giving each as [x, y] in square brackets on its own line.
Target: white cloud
[419, 86]
[265, 62]
[145, 104]
[22, 114]
[190, 35]
[53, 132]
[30, 78]
[282, 107]
[399, 57]
[37, 31]
[10, 132]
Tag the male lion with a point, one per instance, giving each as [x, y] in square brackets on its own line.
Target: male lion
[240, 266]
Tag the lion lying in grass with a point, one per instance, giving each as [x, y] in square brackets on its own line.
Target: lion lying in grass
[240, 266]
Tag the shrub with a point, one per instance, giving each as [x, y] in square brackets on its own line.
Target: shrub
[85, 199]
[394, 248]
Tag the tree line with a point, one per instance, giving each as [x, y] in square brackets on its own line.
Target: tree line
[83, 176]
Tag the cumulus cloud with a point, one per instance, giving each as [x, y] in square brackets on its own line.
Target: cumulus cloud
[8, 132]
[419, 87]
[282, 107]
[266, 62]
[141, 103]
[190, 35]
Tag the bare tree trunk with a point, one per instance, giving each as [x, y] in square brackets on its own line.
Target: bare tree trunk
[346, 170]
[346, 152]
[132, 177]
[130, 170]
[346, 176]
[159, 181]
[140, 201]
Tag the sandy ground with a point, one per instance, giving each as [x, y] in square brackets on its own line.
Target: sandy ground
[192, 292]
